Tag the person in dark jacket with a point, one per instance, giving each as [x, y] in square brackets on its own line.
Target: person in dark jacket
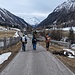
[34, 42]
[24, 42]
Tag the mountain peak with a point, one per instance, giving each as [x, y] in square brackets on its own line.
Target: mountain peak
[66, 6]
[63, 15]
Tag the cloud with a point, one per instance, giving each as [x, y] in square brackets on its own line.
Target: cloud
[30, 8]
[33, 14]
[29, 17]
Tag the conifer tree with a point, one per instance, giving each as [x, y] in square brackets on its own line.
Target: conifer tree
[71, 35]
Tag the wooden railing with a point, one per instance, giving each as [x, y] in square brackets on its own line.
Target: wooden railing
[7, 42]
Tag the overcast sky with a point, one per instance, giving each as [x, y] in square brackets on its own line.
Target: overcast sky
[28, 9]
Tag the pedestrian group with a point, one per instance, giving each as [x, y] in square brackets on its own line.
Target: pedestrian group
[34, 42]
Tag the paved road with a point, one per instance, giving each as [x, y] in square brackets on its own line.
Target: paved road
[39, 62]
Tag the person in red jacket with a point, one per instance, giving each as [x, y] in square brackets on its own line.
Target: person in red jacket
[47, 41]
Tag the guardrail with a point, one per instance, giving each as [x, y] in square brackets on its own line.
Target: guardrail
[65, 44]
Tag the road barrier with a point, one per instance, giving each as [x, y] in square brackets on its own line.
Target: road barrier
[65, 44]
[61, 43]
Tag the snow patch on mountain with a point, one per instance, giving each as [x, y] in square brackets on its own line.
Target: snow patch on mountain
[34, 21]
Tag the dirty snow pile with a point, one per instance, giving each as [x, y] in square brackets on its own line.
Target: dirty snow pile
[16, 34]
[4, 57]
[70, 55]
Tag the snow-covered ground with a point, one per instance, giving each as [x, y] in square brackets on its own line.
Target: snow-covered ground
[4, 57]
[64, 29]
[5, 29]
[2, 28]
[68, 28]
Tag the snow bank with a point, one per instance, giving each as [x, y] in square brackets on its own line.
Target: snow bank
[69, 50]
[4, 57]
[15, 29]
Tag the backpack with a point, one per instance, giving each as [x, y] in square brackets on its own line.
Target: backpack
[23, 39]
[34, 40]
[47, 39]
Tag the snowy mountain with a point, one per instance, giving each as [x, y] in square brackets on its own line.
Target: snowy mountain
[66, 6]
[7, 18]
[33, 21]
[63, 14]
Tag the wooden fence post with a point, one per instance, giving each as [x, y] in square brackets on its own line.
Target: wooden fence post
[10, 41]
[5, 45]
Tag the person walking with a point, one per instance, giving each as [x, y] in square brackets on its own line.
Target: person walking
[34, 42]
[24, 42]
[47, 39]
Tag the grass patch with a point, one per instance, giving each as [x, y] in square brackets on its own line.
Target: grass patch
[6, 34]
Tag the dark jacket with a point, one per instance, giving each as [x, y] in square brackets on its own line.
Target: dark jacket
[34, 40]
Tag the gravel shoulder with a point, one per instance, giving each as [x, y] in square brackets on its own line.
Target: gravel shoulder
[69, 62]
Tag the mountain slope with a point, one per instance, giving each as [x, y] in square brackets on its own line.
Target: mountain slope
[7, 18]
[61, 14]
